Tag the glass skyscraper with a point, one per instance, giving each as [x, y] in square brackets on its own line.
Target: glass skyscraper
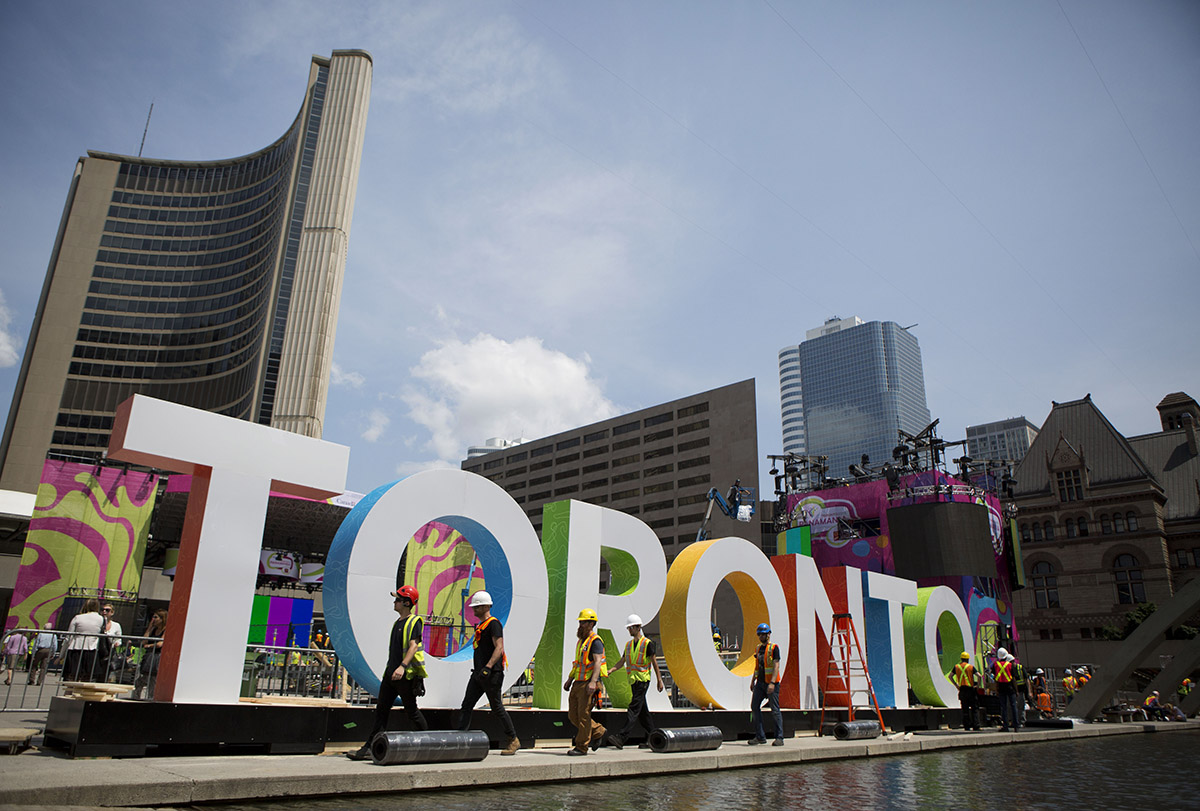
[862, 384]
[214, 284]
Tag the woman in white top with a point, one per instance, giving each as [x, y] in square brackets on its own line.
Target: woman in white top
[81, 649]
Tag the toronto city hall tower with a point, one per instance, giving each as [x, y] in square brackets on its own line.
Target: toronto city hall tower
[214, 284]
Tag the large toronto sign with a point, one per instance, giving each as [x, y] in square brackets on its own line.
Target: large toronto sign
[912, 636]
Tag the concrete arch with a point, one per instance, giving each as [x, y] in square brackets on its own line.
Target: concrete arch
[1140, 644]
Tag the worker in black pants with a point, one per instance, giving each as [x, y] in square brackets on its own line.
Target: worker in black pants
[404, 676]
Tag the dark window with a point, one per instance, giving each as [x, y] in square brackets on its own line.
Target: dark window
[696, 499]
[1132, 519]
[626, 494]
[594, 437]
[540, 480]
[1049, 528]
[626, 428]
[517, 457]
[541, 451]
[658, 419]
[568, 443]
[695, 443]
[1070, 525]
[1045, 585]
[1105, 525]
[657, 488]
[626, 443]
[592, 485]
[657, 452]
[703, 478]
[687, 411]
[658, 506]
[1128, 576]
[562, 491]
[1070, 485]
[1181, 558]
[566, 474]
[1056, 633]
[1085, 633]
[1083, 528]
[1118, 523]
[493, 464]
[1025, 533]
[594, 451]
[627, 477]
[595, 467]
[657, 435]
[541, 465]
[514, 472]
[1037, 532]
[1044, 633]
[697, 462]
[661, 522]
[570, 457]
[625, 460]
[538, 497]
[692, 426]
[659, 470]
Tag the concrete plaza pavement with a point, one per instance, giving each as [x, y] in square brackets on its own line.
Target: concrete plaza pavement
[47, 778]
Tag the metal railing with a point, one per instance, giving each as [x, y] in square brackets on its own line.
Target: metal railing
[269, 671]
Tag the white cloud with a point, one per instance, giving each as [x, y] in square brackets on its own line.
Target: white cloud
[464, 393]
[340, 377]
[377, 422]
[409, 468]
[473, 68]
[10, 353]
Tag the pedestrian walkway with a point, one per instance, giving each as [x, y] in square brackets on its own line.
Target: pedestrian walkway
[49, 779]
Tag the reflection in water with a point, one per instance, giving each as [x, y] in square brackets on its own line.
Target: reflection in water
[1127, 771]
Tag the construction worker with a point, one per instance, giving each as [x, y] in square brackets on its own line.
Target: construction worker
[1082, 676]
[1041, 694]
[404, 675]
[964, 677]
[1022, 681]
[764, 685]
[1152, 707]
[583, 685]
[487, 677]
[638, 659]
[1070, 684]
[1006, 686]
[717, 642]
[1184, 689]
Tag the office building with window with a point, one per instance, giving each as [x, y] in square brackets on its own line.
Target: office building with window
[214, 284]
[1107, 523]
[657, 463]
[791, 388]
[1002, 440]
[862, 383]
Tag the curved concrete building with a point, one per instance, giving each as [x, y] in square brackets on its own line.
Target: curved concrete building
[215, 284]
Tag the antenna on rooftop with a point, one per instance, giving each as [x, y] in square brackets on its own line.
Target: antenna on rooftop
[147, 129]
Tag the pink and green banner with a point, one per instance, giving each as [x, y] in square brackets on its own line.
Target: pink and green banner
[88, 531]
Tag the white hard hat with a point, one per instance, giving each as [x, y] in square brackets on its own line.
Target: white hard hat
[480, 598]
[1081, 671]
[633, 620]
[1038, 672]
[1001, 653]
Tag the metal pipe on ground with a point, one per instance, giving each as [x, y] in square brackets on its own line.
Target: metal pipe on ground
[857, 730]
[691, 739]
[440, 746]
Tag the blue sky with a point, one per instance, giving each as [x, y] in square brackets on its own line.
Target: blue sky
[571, 210]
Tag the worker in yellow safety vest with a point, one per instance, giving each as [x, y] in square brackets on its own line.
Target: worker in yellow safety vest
[964, 677]
[404, 674]
[638, 660]
[1005, 674]
[1070, 684]
[583, 685]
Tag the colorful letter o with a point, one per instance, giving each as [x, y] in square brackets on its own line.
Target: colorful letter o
[360, 573]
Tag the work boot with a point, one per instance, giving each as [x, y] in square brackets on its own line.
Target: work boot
[598, 741]
[573, 752]
[778, 742]
[615, 741]
[512, 747]
[756, 741]
[362, 753]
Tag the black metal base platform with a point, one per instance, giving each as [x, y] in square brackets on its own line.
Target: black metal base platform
[141, 728]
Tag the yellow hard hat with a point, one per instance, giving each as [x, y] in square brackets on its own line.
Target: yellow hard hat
[587, 614]
[966, 655]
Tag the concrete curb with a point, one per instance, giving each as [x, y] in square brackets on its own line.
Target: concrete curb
[47, 779]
